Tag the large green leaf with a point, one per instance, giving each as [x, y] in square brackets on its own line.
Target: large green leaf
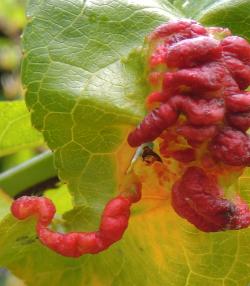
[85, 87]
[16, 132]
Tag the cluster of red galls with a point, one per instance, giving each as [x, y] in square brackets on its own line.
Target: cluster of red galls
[199, 93]
[199, 83]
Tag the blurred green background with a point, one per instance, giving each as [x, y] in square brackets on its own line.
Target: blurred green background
[12, 22]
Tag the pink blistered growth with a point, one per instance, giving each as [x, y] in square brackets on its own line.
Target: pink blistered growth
[240, 120]
[42, 208]
[231, 147]
[114, 222]
[239, 71]
[199, 111]
[153, 125]
[197, 198]
[195, 80]
[158, 57]
[236, 54]
[238, 102]
[185, 156]
[178, 29]
[190, 52]
[237, 47]
[170, 33]
[197, 133]
[155, 78]
[155, 97]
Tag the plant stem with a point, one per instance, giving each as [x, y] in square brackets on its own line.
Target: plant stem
[28, 174]
[40, 188]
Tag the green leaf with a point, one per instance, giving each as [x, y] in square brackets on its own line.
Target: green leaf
[86, 88]
[5, 202]
[193, 8]
[84, 76]
[231, 14]
[16, 132]
[61, 197]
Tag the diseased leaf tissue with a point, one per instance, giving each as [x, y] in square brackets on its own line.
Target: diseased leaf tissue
[86, 99]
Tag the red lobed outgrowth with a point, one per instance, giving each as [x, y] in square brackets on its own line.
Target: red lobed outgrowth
[114, 222]
[185, 155]
[239, 71]
[177, 30]
[191, 52]
[239, 120]
[197, 198]
[236, 56]
[196, 80]
[231, 147]
[153, 125]
[236, 47]
[26, 206]
[239, 102]
[201, 112]
[198, 77]
[197, 133]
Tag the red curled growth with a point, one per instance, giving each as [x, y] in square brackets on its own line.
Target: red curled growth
[114, 222]
[153, 125]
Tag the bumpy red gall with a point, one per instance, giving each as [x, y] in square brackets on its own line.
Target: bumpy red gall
[199, 112]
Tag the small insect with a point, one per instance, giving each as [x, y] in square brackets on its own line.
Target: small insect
[149, 156]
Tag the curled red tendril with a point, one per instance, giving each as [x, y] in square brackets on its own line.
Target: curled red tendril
[114, 222]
